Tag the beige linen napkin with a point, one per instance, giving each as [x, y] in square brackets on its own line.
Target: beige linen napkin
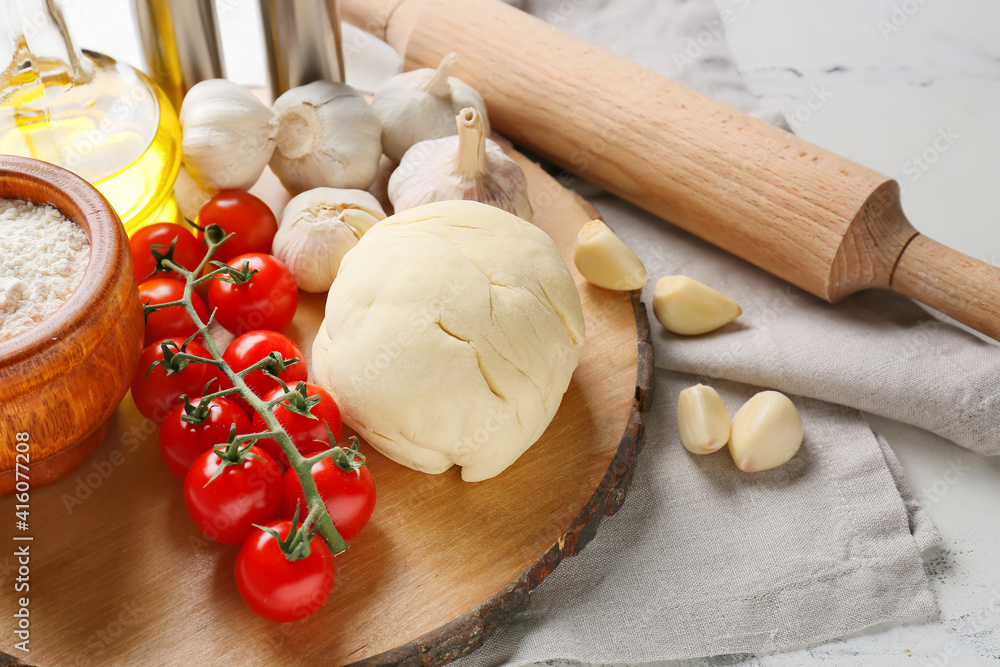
[704, 560]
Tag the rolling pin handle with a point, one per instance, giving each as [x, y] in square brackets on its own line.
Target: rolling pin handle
[959, 286]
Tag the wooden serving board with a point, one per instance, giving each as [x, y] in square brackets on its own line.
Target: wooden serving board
[119, 574]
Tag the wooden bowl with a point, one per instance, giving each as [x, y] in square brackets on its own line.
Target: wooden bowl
[61, 381]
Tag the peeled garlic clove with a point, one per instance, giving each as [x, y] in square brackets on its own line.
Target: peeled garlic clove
[328, 136]
[468, 166]
[228, 135]
[605, 260]
[767, 431]
[702, 420]
[687, 307]
[420, 105]
[317, 229]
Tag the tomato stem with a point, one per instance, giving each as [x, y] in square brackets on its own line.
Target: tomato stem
[222, 393]
[270, 363]
[208, 276]
[318, 518]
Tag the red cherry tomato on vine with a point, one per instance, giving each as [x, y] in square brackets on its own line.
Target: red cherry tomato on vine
[181, 442]
[188, 251]
[279, 589]
[308, 435]
[250, 348]
[243, 494]
[155, 393]
[244, 215]
[266, 301]
[171, 322]
[349, 496]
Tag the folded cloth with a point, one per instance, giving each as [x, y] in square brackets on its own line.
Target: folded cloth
[876, 351]
[703, 559]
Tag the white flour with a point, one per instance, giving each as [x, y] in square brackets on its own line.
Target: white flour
[43, 256]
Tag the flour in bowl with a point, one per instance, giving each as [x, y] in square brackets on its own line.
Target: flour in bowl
[43, 256]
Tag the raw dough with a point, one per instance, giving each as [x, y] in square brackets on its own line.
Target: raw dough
[451, 334]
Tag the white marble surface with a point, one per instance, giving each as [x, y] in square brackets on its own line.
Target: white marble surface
[894, 81]
[878, 81]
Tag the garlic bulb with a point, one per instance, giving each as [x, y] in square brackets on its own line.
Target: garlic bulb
[328, 136]
[420, 105]
[317, 229]
[228, 135]
[468, 166]
[190, 196]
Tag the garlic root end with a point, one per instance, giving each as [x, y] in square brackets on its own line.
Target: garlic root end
[298, 131]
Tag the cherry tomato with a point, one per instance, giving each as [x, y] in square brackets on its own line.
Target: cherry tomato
[279, 589]
[244, 215]
[172, 322]
[349, 495]
[243, 494]
[250, 348]
[266, 301]
[188, 251]
[155, 393]
[181, 442]
[308, 435]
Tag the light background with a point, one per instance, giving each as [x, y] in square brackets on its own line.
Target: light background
[890, 92]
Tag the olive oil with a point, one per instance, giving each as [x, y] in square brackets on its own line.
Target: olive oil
[99, 118]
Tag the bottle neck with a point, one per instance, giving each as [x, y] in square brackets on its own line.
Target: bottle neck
[39, 46]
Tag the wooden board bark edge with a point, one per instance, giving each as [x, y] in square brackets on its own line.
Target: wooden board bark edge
[7, 660]
[467, 633]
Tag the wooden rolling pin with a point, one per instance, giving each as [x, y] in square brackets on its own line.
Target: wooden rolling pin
[818, 220]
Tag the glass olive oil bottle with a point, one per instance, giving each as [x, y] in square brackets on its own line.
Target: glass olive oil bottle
[81, 110]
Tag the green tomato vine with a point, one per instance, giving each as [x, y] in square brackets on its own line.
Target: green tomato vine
[176, 358]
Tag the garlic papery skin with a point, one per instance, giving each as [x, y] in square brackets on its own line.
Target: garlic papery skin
[604, 259]
[690, 308]
[702, 420]
[420, 105]
[328, 136]
[317, 229]
[767, 431]
[468, 166]
[228, 135]
[190, 196]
